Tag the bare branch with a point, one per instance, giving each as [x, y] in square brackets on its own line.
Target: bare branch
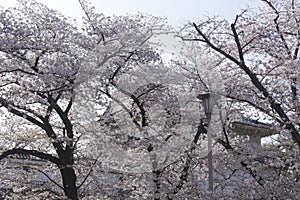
[69, 106]
[226, 144]
[254, 175]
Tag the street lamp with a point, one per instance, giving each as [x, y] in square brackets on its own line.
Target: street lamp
[208, 107]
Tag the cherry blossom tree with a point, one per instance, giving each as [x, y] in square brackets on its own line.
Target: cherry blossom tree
[260, 48]
[258, 58]
[50, 72]
[154, 125]
[41, 54]
[105, 100]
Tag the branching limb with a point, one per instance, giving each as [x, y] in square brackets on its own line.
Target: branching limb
[237, 41]
[16, 112]
[258, 179]
[34, 153]
[257, 107]
[226, 144]
[278, 28]
[88, 174]
[254, 79]
[69, 106]
[50, 179]
[187, 164]
[17, 70]
[64, 117]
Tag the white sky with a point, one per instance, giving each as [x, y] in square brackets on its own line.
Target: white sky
[177, 11]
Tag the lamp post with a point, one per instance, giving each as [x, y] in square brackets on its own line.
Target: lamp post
[208, 106]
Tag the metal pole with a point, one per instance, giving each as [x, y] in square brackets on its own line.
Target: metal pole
[208, 106]
[209, 156]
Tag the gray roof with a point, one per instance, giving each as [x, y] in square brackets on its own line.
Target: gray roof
[253, 128]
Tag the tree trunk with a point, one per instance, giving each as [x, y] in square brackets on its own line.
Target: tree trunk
[68, 173]
[69, 182]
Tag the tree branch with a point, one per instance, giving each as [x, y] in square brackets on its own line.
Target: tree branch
[273, 104]
[88, 174]
[256, 106]
[69, 106]
[45, 174]
[60, 112]
[17, 70]
[237, 41]
[226, 144]
[258, 179]
[35, 153]
[210, 44]
[278, 28]
[187, 164]
[25, 116]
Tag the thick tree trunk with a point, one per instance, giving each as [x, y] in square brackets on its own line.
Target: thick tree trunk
[69, 182]
[68, 173]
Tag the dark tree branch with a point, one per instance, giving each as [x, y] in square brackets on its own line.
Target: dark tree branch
[27, 111]
[258, 179]
[45, 125]
[61, 88]
[256, 106]
[200, 130]
[35, 153]
[140, 104]
[9, 83]
[61, 113]
[69, 106]
[226, 144]
[278, 28]
[116, 72]
[132, 96]
[122, 105]
[36, 62]
[237, 41]
[249, 42]
[273, 104]
[295, 56]
[45, 174]
[210, 44]
[269, 72]
[187, 164]
[48, 113]
[88, 174]
[95, 29]
[142, 110]
[16, 112]
[17, 70]
[157, 174]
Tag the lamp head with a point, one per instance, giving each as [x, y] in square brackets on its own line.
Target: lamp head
[207, 102]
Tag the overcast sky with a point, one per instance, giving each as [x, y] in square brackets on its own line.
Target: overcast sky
[176, 11]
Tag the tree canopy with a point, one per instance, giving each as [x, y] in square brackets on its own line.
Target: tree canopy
[105, 113]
